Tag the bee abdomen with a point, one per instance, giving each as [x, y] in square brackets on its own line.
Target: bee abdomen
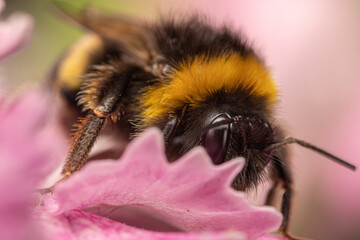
[78, 60]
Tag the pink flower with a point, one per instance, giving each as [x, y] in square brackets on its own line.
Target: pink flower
[14, 32]
[142, 188]
[29, 151]
[191, 194]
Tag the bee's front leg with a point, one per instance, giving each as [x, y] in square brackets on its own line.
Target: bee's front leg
[101, 97]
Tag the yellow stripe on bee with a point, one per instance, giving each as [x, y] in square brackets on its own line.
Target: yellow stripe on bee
[77, 61]
[194, 81]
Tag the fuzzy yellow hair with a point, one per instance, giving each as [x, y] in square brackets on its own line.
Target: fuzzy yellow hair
[194, 81]
[77, 60]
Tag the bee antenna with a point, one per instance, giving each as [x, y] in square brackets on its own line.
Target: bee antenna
[290, 140]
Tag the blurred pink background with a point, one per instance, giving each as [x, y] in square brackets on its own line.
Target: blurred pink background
[313, 49]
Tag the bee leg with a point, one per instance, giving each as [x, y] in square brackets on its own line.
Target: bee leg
[101, 97]
[285, 209]
[285, 205]
[84, 138]
[285, 179]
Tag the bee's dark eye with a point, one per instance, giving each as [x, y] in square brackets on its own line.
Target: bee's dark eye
[216, 140]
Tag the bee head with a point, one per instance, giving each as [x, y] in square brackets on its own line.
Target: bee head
[224, 135]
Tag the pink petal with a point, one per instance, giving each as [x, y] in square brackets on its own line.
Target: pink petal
[77, 224]
[29, 136]
[15, 32]
[191, 194]
[29, 151]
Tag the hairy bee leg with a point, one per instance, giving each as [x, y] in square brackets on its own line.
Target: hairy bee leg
[287, 184]
[285, 210]
[84, 139]
[101, 95]
[284, 179]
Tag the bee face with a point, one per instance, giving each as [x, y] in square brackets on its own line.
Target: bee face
[242, 134]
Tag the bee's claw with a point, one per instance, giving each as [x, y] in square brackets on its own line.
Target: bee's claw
[48, 190]
[66, 176]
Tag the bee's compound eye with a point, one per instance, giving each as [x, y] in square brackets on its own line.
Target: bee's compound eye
[216, 140]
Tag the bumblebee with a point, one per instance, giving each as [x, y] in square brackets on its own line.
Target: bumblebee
[199, 84]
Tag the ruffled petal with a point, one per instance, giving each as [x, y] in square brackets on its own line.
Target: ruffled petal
[190, 194]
